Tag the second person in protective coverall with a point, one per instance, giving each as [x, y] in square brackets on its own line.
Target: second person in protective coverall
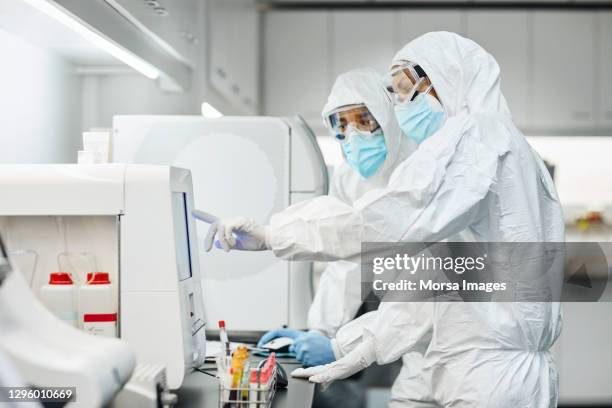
[338, 295]
[475, 173]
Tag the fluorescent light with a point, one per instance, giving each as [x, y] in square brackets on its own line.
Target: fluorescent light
[209, 112]
[93, 37]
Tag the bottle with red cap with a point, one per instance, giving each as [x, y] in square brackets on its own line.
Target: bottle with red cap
[97, 306]
[60, 297]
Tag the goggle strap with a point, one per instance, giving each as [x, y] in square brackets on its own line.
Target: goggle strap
[415, 88]
[419, 71]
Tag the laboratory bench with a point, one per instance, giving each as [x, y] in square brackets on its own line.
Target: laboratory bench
[201, 390]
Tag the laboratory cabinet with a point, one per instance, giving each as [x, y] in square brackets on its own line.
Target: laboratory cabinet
[296, 55]
[504, 34]
[172, 22]
[362, 39]
[217, 16]
[304, 51]
[554, 64]
[564, 72]
[233, 52]
[180, 30]
[413, 23]
[604, 85]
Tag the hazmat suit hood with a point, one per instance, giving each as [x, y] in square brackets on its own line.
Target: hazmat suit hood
[365, 85]
[464, 75]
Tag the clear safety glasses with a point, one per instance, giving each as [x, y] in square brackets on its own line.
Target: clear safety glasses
[356, 117]
[404, 82]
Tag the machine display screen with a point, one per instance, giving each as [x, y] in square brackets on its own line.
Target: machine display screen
[181, 232]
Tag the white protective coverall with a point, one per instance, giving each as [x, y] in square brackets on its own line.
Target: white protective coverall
[338, 296]
[478, 175]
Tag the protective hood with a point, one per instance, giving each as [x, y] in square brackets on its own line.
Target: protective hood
[465, 76]
[365, 85]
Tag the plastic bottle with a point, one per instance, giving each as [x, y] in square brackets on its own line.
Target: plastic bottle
[97, 312]
[60, 297]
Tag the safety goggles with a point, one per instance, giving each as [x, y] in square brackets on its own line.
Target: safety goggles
[404, 81]
[356, 117]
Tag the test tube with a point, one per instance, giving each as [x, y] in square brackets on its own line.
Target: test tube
[223, 337]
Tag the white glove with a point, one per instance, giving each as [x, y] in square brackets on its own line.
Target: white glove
[358, 359]
[237, 233]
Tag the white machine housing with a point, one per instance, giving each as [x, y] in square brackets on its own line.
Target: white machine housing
[250, 166]
[136, 220]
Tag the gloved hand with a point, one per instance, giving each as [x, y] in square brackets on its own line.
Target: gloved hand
[358, 359]
[273, 334]
[237, 233]
[313, 349]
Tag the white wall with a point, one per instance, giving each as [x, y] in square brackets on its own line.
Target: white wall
[39, 104]
[130, 94]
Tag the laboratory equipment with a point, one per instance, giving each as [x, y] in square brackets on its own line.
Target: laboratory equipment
[48, 353]
[223, 337]
[96, 147]
[97, 310]
[282, 381]
[77, 264]
[60, 297]
[251, 166]
[135, 219]
[147, 388]
[243, 383]
[279, 344]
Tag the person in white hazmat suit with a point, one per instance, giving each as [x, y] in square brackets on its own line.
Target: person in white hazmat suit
[473, 171]
[338, 295]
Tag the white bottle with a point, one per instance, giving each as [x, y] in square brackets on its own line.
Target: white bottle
[97, 312]
[60, 297]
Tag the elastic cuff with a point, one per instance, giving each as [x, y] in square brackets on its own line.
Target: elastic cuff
[336, 349]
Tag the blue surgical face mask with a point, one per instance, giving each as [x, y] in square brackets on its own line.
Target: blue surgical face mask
[365, 153]
[420, 118]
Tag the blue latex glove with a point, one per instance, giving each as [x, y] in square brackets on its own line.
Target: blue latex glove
[313, 349]
[292, 333]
